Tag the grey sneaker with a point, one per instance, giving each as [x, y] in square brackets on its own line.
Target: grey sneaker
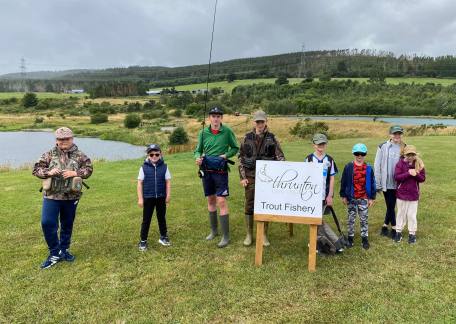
[164, 240]
[142, 246]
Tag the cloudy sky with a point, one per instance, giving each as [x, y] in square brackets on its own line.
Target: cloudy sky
[65, 34]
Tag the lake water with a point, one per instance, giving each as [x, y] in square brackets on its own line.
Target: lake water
[403, 121]
[24, 148]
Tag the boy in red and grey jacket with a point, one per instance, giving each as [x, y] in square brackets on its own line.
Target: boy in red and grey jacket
[409, 173]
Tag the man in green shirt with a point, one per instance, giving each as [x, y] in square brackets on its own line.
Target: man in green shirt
[216, 144]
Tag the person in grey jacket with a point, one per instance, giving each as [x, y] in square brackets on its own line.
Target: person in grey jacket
[388, 154]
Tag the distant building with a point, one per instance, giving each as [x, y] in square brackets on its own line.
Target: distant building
[154, 92]
[74, 91]
[199, 91]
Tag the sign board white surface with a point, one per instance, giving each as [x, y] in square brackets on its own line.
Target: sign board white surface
[288, 188]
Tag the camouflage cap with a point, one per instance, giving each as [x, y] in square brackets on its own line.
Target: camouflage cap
[259, 115]
[63, 132]
[396, 129]
[319, 139]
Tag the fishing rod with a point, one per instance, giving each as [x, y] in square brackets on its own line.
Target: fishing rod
[200, 171]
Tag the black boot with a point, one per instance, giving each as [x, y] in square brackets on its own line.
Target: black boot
[384, 231]
[225, 225]
[393, 234]
[350, 241]
[365, 243]
[213, 222]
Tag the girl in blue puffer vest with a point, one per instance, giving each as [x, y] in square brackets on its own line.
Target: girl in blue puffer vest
[154, 191]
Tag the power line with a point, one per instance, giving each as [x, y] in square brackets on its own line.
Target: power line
[23, 68]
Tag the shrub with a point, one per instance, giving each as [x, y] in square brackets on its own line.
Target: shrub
[178, 136]
[39, 120]
[132, 120]
[29, 100]
[308, 128]
[98, 118]
[177, 113]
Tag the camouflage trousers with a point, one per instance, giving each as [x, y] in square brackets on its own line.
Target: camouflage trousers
[358, 206]
[249, 197]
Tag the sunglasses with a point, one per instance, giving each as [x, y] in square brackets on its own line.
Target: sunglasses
[359, 154]
[154, 154]
[64, 139]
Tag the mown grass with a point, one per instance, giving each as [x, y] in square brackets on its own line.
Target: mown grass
[194, 281]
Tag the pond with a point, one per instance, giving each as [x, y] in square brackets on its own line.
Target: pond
[24, 148]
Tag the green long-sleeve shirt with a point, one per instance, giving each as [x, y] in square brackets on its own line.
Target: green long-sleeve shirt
[214, 145]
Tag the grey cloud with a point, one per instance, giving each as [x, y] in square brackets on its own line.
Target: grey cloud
[63, 34]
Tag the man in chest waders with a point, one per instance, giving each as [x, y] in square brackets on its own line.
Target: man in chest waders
[216, 144]
[259, 144]
[62, 170]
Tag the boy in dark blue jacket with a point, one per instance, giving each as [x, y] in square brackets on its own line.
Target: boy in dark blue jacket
[358, 190]
[154, 191]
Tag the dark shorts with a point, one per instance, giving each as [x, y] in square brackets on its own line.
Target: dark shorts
[215, 184]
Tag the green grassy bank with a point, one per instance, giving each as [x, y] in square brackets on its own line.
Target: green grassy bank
[194, 281]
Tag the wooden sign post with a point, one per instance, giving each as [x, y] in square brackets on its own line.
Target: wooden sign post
[288, 192]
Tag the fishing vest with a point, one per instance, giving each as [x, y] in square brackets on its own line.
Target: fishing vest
[265, 151]
[154, 184]
[59, 184]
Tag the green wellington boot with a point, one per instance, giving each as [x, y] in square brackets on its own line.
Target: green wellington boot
[225, 226]
[249, 227]
[213, 222]
[265, 240]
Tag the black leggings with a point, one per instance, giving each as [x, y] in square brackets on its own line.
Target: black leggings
[148, 210]
[390, 200]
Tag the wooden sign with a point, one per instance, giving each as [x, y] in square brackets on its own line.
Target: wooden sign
[288, 192]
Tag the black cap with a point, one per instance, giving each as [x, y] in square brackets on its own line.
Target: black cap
[215, 111]
[153, 147]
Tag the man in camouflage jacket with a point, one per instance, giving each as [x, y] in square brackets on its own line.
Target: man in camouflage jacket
[259, 144]
[62, 170]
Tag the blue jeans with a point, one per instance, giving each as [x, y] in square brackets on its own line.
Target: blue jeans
[50, 223]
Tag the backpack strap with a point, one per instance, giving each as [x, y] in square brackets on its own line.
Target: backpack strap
[334, 217]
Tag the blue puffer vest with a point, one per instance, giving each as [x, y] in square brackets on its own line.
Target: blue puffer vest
[154, 184]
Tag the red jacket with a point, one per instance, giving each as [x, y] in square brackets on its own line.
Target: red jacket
[408, 187]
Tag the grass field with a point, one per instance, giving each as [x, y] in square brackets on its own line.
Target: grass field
[42, 95]
[194, 281]
[228, 87]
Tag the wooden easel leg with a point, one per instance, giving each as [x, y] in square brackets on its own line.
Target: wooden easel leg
[259, 243]
[312, 248]
[290, 229]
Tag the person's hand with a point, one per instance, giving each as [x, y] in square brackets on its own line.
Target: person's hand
[329, 200]
[412, 172]
[140, 202]
[168, 199]
[199, 161]
[244, 182]
[370, 202]
[344, 201]
[55, 171]
[69, 174]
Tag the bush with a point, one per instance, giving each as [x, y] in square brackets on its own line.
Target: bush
[177, 113]
[39, 120]
[132, 120]
[308, 128]
[98, 118]
[29, 100]
[178, 136]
